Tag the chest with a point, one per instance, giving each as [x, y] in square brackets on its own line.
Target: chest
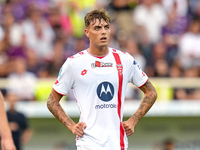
[96, 71]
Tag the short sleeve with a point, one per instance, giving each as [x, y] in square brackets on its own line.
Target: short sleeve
[65, 80]
[136, 75]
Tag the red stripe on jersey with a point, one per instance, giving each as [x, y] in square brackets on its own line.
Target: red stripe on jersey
[120, 75]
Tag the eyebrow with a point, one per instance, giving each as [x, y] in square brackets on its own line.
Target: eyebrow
[101, 25]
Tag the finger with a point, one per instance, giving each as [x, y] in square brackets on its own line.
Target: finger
[129, 132]
[82, 125]
[78, 132]
[125, 124]
[80, 128]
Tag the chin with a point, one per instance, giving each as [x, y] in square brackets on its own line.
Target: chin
[103, 46]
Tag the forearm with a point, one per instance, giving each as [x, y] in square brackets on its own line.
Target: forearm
[56, 109]
[150, 96]
[144, 107]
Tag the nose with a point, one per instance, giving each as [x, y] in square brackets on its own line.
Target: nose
[103, 31]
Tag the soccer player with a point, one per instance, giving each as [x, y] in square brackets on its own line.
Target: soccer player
[5, 133]
[99, 76]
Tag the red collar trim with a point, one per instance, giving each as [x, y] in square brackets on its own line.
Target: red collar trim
[100, 57]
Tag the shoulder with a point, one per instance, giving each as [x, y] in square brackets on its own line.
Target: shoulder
[119, 52]
[122, 55]
[125, 57]
[77, 55]
[73, 60]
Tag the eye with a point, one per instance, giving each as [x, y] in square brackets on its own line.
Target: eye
[96, 28]
[107, 27]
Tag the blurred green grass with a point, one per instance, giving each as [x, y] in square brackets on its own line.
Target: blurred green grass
[50, 134]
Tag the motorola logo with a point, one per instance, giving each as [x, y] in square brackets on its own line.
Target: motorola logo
[105, 91]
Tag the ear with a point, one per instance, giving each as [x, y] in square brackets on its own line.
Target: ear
[86, 32]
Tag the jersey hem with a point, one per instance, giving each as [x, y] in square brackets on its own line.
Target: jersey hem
[143, 83]
[58, 92]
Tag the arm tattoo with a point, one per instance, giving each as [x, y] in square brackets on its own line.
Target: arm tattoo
[56, 109]
[150, 96]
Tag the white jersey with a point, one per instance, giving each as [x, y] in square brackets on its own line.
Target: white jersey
[99, 85]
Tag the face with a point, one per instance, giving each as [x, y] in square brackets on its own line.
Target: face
[98, 32]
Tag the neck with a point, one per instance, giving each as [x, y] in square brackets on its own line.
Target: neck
[98, 51]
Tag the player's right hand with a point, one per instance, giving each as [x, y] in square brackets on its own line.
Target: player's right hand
[79, 129]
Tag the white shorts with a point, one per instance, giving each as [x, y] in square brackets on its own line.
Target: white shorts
[84, 148]
[87, 148]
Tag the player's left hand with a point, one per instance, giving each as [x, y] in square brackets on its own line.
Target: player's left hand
[129, 127]
[79, 129]
[7, 144]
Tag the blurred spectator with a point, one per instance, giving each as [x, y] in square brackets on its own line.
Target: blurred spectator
[169, 144]
[77, 11]
[175, 69]
[33, 63]
[60, 23]
[42, 5]
[132, 48]
[182, 6]
[175, 72]
[18, 123]
[189, 52]
[12, 44]
[149, 17]
[21, 82]
[18, 8]
[102, 3]
[16, 47]
[191, 72]
[180, 94]
[194, 9]
[161, 68]
[172, 31]
[195, 94]
[57, 60]
[188, 93]
[113, 41]
[158, 52]
[39, 35]
[121, 13]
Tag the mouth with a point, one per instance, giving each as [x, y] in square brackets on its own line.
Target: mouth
[103, 39]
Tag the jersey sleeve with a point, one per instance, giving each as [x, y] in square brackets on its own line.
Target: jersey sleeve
[136, 75]
[65, 80]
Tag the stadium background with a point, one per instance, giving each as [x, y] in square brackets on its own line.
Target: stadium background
[168, 52]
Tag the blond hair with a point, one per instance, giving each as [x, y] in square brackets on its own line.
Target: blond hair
[96, 14]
